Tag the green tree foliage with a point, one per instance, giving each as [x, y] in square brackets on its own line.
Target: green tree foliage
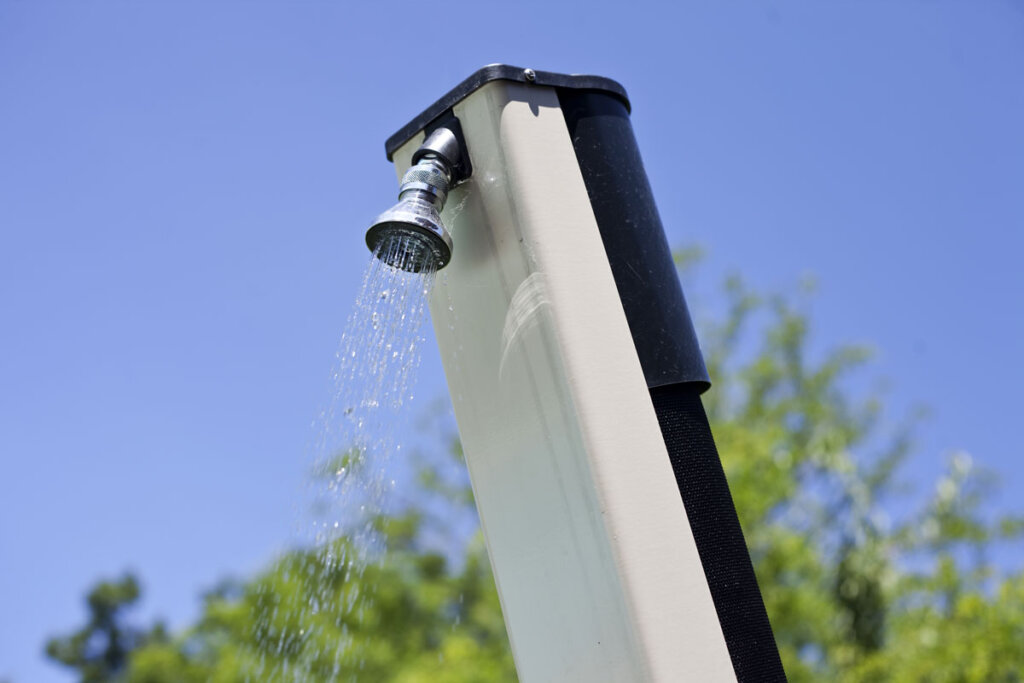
[424, 622]
[100, 650]
[861, 583]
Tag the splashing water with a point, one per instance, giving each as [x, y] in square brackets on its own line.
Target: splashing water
[377, 362]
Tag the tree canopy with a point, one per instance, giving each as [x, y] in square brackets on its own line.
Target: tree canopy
[860, 583]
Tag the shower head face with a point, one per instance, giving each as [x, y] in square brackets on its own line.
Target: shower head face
[410, 236]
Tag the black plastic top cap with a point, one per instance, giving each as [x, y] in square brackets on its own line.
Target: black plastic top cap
[499, 72]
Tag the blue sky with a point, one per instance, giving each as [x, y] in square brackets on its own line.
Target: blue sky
[184, 188]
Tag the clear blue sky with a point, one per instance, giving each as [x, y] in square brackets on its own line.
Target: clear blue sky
[184, 188]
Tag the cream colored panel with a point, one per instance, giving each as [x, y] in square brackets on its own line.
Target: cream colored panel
[596, 566]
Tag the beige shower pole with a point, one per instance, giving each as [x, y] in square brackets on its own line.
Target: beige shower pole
[596, 566]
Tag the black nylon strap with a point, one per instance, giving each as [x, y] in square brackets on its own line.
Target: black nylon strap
[716, 530]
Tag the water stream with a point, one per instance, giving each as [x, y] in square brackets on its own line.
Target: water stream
[358, 437]
[374, 380]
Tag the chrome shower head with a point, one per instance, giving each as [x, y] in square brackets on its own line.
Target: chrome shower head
[410, 235]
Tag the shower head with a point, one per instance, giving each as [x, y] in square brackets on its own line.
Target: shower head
[410, 235]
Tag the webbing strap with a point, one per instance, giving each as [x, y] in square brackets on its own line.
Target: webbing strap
[716, 530]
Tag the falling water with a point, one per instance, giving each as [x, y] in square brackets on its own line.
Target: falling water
[358, 436]
[374, 376]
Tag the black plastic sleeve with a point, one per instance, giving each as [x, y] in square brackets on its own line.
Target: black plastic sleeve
[673, 366]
